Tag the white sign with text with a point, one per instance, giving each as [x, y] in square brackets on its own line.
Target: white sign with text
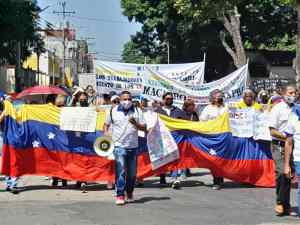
[82, 119]
[250, 123]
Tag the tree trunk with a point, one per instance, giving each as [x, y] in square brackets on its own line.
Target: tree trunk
[297, 63]
[232, 25]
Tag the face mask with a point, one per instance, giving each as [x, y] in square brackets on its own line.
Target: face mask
[289, 99]
[220, 100]
[126, 104]
[169, 103]
[83, 103]
[264, 99]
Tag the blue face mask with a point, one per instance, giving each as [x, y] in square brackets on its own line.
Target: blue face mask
[126, 104]
[289, 99]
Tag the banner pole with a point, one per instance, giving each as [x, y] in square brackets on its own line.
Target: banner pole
[248, 84]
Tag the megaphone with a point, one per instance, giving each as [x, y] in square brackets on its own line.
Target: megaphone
[104, 146]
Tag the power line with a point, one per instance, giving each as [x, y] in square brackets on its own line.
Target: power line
[99, 20]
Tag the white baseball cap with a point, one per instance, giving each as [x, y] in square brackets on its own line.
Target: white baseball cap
[114, 97]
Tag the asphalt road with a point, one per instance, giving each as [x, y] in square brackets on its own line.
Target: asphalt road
[194, 204]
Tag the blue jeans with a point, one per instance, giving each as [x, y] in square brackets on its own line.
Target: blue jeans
[1, 142]
[125, 164]
[297, 168]
[11, 182]
[178, 173]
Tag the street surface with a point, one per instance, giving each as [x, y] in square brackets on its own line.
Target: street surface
[195, 204]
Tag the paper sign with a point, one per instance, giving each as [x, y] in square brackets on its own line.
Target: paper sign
[261, 128]
[161, 146]
[86, 79]
[242, 122]
[81, 119]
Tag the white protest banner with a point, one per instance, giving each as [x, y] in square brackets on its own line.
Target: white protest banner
[126, 76]
[162, 147]
[86, 79]
[242, 122]
[186, 73]
[156, 84]
[114, 76]
[149, 82]
[81, 119]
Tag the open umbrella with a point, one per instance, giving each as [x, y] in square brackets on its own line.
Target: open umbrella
[41, 90]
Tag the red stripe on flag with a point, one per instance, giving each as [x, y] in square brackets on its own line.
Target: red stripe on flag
[72, 166]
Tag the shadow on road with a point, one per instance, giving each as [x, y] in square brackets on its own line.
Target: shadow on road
[147, 184]
[150, 199]
[89, 187]
[155, 184]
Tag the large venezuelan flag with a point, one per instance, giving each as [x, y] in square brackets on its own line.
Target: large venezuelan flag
[211, 145]
[34, 144]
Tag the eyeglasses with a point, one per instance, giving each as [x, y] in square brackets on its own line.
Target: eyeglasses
[168, 99]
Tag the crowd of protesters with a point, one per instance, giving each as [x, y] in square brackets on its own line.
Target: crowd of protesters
[125, 122]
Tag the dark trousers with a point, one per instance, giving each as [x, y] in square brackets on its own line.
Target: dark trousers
[218, 180]
[162, 178]
[283, 184]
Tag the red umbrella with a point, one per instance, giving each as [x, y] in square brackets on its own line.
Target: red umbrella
[41, 90]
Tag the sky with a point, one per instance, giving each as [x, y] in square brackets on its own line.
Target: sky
[98, 19]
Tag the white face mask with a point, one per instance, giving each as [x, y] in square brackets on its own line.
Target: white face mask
[126, 104]
[290, 99]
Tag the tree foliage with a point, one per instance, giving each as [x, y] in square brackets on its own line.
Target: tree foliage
[132, 54]
[193, 27]
[18, 23]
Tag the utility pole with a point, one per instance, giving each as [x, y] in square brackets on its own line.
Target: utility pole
[53, 68]
[64, 13]
[168, 48]
[18, 68]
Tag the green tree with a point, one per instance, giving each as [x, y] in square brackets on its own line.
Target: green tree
[296, 5]
[18, 23]
[192, 27]
[247, 23]
[132, 54]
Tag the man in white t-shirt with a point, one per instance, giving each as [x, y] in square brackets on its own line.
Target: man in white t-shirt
[215, 109]
[125, 120]
[292, 148]
[278, 125]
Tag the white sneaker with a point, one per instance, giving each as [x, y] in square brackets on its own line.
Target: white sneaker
[120, 200]
[176, 184]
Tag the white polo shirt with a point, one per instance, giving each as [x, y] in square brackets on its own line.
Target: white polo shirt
[124, 134]
[279, 117]
[293, 129]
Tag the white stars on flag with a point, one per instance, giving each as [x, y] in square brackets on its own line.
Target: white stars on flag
[212, 152]
[35, 144]
[51, 136]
